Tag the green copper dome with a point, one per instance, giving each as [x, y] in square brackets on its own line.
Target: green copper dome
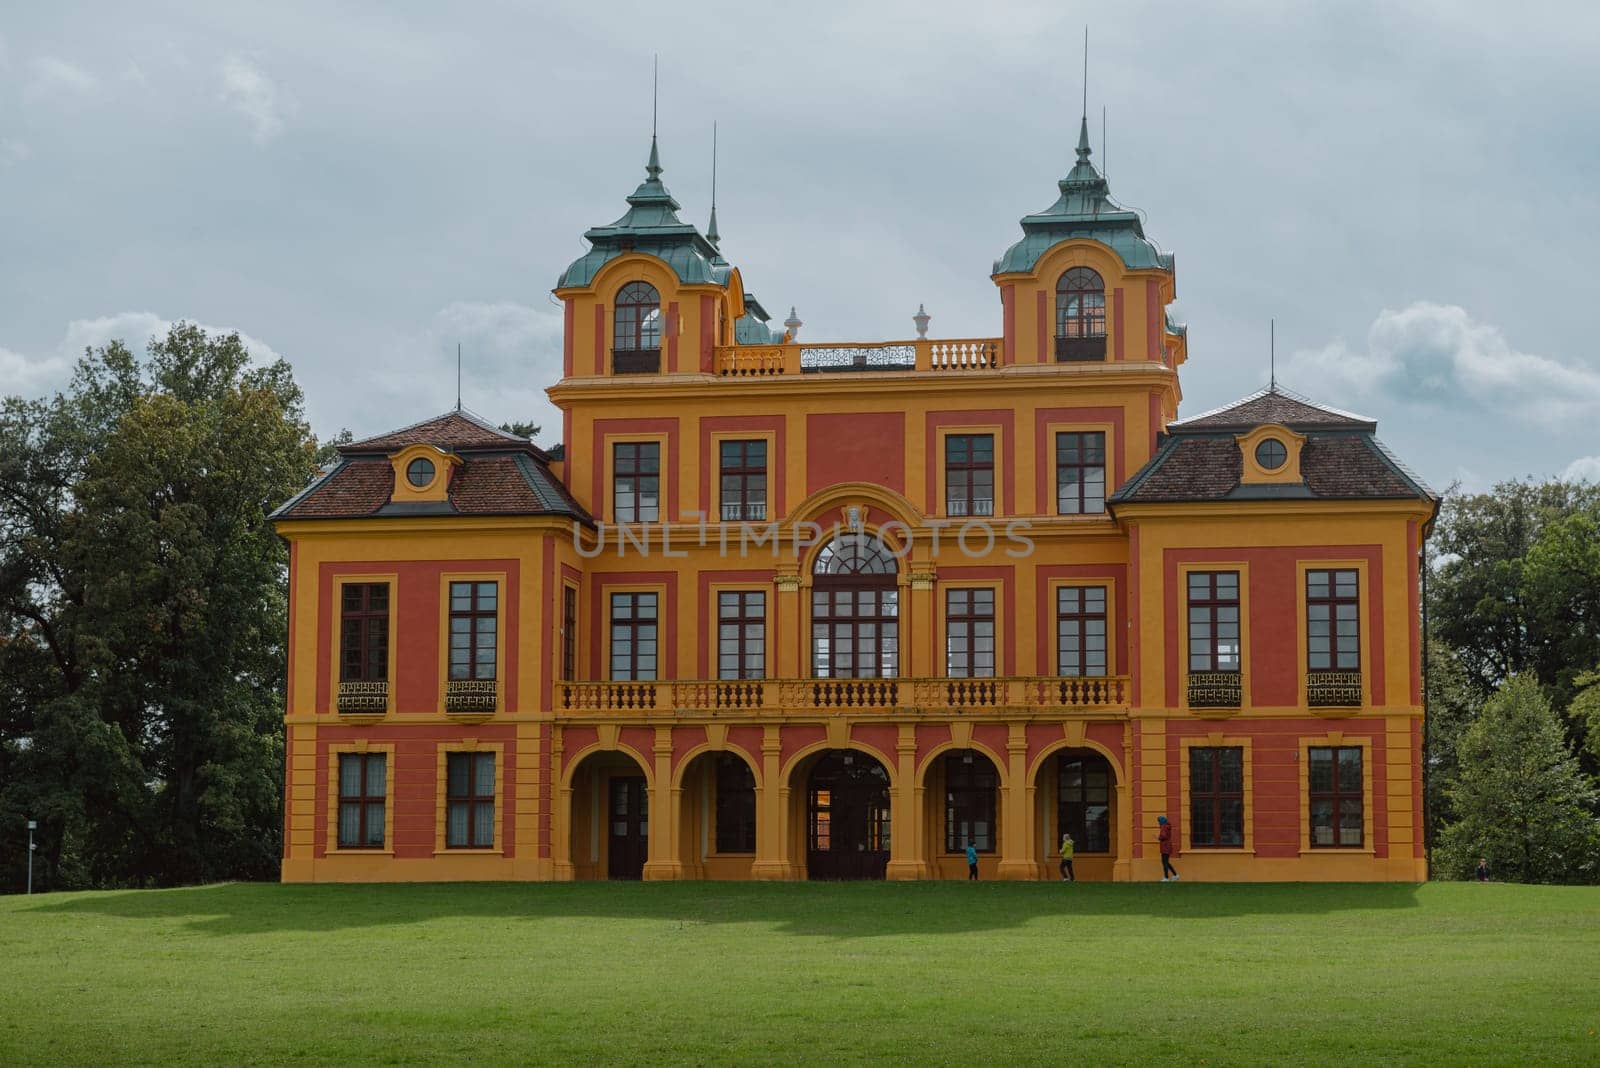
[1084, 209]
[650, 225]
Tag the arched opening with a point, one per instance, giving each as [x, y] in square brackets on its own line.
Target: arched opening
[1077, 795]
[855, 610]
[962, 799]
[843, 796]
[636, 330]
[717, 813]
[1080, 315]
[610, 817]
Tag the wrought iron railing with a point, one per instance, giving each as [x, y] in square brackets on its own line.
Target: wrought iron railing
[1215, 689]
[473, 696]
[635, 361]
[363, 698]
[1080, 349]
[783, 696]
[1333, 689]
[890, 356]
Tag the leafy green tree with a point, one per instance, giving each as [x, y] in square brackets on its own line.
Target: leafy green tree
[522, 429]
[1521, 800]
[143, 605]
[1585, 709]
[1453, 704]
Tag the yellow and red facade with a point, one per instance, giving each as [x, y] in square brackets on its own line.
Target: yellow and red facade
[604, 770]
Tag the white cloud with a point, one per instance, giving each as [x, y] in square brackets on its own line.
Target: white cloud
[252, 94]
[1583, 469]
[35, 376]
[1437, 353]
[135, 329]
[20, 376]
[55, 78]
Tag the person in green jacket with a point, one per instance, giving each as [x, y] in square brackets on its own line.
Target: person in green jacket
[1067, 874]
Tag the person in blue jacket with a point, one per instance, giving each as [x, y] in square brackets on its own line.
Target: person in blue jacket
[972, 861]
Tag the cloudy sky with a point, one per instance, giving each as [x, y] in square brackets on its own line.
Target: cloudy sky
[1410, 189]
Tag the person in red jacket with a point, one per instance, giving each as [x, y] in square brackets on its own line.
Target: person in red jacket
[1168, 872]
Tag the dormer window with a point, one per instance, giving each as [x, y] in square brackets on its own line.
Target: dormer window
[1271, 454]
[1080, 316]
[636, 334]
[419, 472]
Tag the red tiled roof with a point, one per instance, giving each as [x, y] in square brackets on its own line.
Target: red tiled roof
[355, 488]
[1273, 406]
[452, 430]
[1340, 466]
[490, 484]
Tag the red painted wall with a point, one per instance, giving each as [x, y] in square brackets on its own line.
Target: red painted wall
[856, 447]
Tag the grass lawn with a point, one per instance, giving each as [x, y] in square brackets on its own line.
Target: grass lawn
[756, 973]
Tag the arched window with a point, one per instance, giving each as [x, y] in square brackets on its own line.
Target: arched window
[1080, 315]
[636, 334]
[855, 610]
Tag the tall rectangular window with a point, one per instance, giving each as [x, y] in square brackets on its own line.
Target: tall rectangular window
[364, 632]
[1083, 802]
[569, 633]
[1216, 796]
[1333, 620]
[741, 634]
[969, 633]
[969, 474]
[1080, 472]
[1334, 781]
[469, 801]
[855, 633]
[736, 805]
[743, 471]
[636, 481]
[1081, 631]
[969, 790]
[633, 637]
[1213, 621]
[363, 782]
[473, 621]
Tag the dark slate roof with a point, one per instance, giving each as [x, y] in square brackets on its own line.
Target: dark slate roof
[499, 474]
[1084, 209]
[1342, 458]
[1274, 405]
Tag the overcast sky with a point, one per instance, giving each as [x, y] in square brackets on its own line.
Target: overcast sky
[1410, 189]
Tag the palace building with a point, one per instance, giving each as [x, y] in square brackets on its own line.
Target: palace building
[783, 610]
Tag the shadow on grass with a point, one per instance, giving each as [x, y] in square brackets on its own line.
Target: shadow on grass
[832, 910]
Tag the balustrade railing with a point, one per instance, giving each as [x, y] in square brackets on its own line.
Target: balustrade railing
[783, 696]
[923, 354]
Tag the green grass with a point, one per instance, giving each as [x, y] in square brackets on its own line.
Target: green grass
[707, 973]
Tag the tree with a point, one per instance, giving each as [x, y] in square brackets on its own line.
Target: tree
[1521, 799]
[143, 606]
[1453, 705]
[522, 429]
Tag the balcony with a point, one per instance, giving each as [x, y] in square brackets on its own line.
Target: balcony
[770, 361]
[635, 361]
[902, 696]
[471, 697]
[363, 698]
[1333, 689]
[1215, 689]
[1080, 349]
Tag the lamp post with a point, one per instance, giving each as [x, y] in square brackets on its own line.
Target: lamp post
[32, 826]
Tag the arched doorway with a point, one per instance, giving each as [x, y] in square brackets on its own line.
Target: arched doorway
[962, 805]
[855, 610]
[610, 817]
[847, 816]
[717, 814]
[1077, 792]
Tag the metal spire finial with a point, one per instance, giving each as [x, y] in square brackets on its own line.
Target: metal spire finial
[1083, 126]
[1272, 355]
[653, 168]
[711, 230]
[458, 376]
